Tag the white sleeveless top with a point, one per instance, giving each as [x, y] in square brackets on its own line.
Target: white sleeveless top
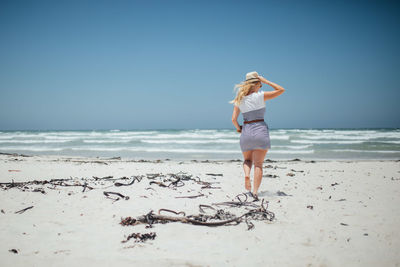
[252, 102]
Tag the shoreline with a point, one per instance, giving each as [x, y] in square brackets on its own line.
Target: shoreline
[329, 213]
[156, 160]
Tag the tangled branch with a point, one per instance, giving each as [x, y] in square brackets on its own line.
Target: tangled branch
[220, 218]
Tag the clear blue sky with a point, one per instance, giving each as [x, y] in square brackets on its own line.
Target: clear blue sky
[173, 64]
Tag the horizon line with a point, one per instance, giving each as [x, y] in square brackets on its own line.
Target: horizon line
[180, 129]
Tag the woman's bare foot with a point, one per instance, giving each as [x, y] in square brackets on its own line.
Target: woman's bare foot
[247, 183]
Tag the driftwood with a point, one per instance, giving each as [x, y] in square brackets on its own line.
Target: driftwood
[85, 185]
[201, 195]
[220, 218]
[102, 178]
[54, 182]
[172, 211]
[211, 187]
[295, 170]
[271, 176]
[235, 204]
[135, 178]
[153, 175]
[68, 182]
[242, 201]
[152, 218]
[158, 183]
[23, 210]
[201, 206]
[170, 180]
[107, 194]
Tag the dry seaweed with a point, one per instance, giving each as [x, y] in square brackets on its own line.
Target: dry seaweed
[135, 178]
[220, 217]
[140, 237]
[23, 210]
[107, 194]
[171, 180]
[201, 195]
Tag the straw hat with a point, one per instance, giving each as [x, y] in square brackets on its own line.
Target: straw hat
[252, 77]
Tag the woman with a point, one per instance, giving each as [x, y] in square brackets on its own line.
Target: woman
[254, 138]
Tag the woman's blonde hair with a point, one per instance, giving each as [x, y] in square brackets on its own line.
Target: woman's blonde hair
[242, 89]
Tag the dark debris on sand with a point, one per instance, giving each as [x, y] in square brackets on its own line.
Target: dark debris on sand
[139, 237]
[219, 218]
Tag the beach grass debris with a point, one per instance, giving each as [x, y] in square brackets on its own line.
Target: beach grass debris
[139, 237]
[13, 250]
[170, 180]
[108, 193]
[41, 190]
[270, 176]
[196, 196]
[215, 174]
[153, 175]
[201, 206]
[161, 184]
[102, 178]
[219, 218]
[242, 201]
[23, 210]
[23, 186]
[295, 170]
[210, 187]
[135, 178]
[172, 211]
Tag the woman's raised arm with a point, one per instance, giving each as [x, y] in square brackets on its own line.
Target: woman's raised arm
[278, 89]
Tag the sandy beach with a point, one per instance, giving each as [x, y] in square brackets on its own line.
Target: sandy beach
[327, 213]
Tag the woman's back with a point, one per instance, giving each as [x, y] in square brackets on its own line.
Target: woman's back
[255, 135]
[252, 106]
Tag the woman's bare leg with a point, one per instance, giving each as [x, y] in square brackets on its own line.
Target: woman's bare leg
[248, 161]
[258, 158]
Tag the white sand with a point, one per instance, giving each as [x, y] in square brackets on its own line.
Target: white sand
[68, 227]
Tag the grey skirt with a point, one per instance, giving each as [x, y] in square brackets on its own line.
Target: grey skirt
[255, 136]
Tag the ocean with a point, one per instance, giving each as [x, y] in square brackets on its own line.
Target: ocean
[199, 144]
